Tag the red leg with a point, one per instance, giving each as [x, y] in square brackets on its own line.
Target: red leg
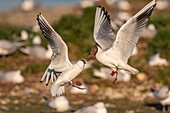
[113, 73]
[115, 78]
[78, 86]
[92, 53]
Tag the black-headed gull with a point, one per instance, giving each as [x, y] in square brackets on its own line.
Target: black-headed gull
[115, 50]
[9, 47]
[61, 103]
[61, 70]
[99, 107]
[12, 76]
[156, 60]
[37, 51]
[36, 40]
[163, 96]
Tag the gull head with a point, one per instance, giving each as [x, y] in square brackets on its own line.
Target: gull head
[81, 63]
[92, 53]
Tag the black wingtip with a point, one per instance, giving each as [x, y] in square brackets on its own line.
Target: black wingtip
[38, 15]
[47, 84]
[41, 81]
[99, 6]
[152, 90]
[105, 12]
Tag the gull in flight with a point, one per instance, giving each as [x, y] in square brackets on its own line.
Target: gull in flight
[114, 50]
[61, 70]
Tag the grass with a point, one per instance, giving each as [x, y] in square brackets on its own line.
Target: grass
[161, 43]
[35, 68]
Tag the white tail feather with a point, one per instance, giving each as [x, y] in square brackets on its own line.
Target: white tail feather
[57, 89]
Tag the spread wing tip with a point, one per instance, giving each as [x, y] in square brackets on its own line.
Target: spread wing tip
[39, 16]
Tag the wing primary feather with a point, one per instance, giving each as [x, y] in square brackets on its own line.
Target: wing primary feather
[103, 33]
[48, 78]
[129, 33]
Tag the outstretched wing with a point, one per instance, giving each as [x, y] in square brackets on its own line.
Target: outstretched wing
[103, 33]
[129, 33]
[59, 58]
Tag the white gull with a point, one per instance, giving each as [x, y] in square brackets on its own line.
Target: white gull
[99, 107]
[37, 51]
[156, 60]
[12, 76]
[162, 95]
[61, 70]
[9, 47]
[61, 103]
[114, 51]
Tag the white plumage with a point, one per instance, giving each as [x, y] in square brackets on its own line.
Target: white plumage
[61, 103]
[99, 107]
[162, 95]
[77, 91]
[162, 4]
[9, 47]
[36, 40]
[156, 60]
[104, 73]
[12, 76]
[61, 70]
[24, 35]
[115, 50]
[37, 51]
[149, 32]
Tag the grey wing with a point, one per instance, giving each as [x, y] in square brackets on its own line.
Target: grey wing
[58, 46]
[162, 93]
[129, 33]
[59, 58]
[103, 33]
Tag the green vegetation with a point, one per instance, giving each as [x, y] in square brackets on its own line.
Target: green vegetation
[77, 31]
[161, 43]
[35, 68]
[6, 32]
[160, 20]
[162, 75]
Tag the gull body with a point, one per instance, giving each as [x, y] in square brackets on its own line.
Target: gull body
[163, 96]
[8, 47]
[65, 78]
[61, 103]
[61, 70]
[149, 32]
[24, 35]
[163, 4]
[99, 107]
[156, 60]
[103, 73]
[38, 52]
[115, 50]
[36, 40]
[12, 76]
